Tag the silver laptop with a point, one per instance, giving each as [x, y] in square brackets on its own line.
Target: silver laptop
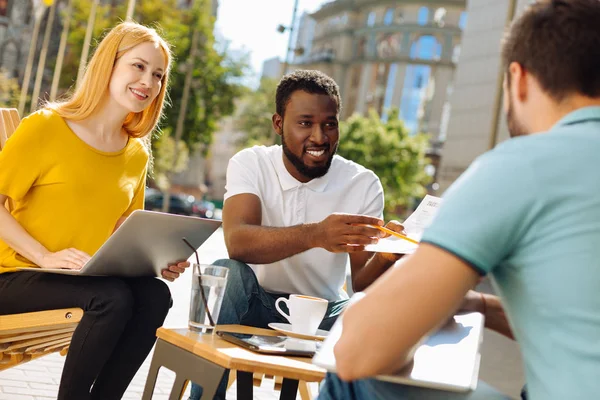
[447, 360]
[145, 244]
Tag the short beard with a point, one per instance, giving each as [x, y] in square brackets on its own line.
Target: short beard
[305, 170]
[515, 128]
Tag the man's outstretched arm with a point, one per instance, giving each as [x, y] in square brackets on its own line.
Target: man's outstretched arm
[409, 301]
[249, 242]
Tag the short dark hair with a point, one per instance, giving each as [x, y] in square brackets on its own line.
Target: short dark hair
[310, 81]
[558, 42]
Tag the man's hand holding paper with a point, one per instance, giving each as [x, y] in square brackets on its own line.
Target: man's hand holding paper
[414, 226]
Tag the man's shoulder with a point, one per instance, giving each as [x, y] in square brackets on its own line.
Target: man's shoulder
[256, 154]
[351, 170]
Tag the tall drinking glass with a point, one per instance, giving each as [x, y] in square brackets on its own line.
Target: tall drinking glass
[208, 288]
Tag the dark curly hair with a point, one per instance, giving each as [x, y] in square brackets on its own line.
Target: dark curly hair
[310, 81]
[558, 42]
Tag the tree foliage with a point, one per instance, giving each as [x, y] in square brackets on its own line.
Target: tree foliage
[9, 91]
[214, 85]
[254, 115]
[398, 158]
[169, 157]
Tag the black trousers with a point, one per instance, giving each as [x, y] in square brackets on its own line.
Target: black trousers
[116, 333]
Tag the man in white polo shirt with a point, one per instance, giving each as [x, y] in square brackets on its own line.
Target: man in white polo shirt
[291, 213]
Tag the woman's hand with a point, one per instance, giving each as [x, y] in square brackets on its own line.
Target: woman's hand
[65, 259]
[173, 271]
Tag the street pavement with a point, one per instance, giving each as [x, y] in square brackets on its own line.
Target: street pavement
[39, 379]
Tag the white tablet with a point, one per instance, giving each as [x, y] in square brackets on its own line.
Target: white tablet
[447, 360]
[144, 245]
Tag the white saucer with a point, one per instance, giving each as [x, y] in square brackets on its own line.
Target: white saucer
[287, 330]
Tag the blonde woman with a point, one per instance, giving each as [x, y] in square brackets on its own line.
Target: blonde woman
[74, 171]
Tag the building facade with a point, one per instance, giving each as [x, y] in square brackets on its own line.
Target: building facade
[388, 54]
[476, 119]
[16, 25]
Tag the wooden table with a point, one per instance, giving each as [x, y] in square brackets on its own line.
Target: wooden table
[202, 358]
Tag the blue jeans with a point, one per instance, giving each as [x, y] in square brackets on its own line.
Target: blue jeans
[333, 388]
[247, 303]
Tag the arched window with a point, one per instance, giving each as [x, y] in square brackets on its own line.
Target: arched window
[388, 18]
[423, 16]
[371, 18]
[426, 48]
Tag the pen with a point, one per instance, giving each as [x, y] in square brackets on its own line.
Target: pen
[391, 232]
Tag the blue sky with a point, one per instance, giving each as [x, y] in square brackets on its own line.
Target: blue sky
[251, 25]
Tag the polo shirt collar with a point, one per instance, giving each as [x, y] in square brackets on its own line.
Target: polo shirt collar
[288, 182]
[580, 115]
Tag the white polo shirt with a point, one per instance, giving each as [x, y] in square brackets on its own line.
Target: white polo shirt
[346, 188]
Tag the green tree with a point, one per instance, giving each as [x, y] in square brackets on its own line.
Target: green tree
[9, 91]
[398, 158]
[216, 74]
[254, 115]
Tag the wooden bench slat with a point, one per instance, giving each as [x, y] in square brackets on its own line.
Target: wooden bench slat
[31, 342]
[40, 320]
[33, 349]
[14, 338]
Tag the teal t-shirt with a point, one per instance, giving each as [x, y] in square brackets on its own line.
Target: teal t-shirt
[528, 213]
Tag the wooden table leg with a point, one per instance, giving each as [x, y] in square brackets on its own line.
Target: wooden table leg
[245, 385]
[289, 389]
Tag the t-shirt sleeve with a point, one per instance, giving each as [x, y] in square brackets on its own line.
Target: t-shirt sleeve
[137, 203]
[374, 199]
[21, 159]
[485, 213]
[242, 176]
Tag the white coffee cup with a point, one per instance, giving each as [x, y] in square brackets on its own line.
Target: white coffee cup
[306, 312]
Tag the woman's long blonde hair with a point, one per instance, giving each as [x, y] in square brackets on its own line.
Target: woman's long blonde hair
[94, 85]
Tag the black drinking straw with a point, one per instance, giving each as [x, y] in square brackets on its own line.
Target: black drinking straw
[212, 323]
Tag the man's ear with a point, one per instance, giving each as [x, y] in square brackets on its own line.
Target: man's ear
[277, 124]
[518, 80]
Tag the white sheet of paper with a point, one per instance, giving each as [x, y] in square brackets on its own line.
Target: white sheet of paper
[414, 226]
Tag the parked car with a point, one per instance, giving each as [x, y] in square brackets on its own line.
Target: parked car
[203, 208]
[180, 204]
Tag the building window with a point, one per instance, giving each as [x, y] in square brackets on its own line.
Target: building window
[371, 18]
[423, 17]
[462, 22]
[389, 91]
[414, 95]
[426, 48]
[456, 53]
[388, 18]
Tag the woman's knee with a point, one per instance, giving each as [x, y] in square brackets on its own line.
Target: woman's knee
[152, 294]
[112, 295]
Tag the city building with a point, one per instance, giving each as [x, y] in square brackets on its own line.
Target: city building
[476, 121]
[385, 54]
[16, 24]
[272, 68]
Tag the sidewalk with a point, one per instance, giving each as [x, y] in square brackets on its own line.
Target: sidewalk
[39, 379]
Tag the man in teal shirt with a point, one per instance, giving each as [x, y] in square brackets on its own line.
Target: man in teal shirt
[527, 213]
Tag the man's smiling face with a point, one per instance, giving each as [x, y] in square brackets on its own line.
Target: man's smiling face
[309, 134]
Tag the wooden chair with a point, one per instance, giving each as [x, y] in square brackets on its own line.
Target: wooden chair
[24, 337]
